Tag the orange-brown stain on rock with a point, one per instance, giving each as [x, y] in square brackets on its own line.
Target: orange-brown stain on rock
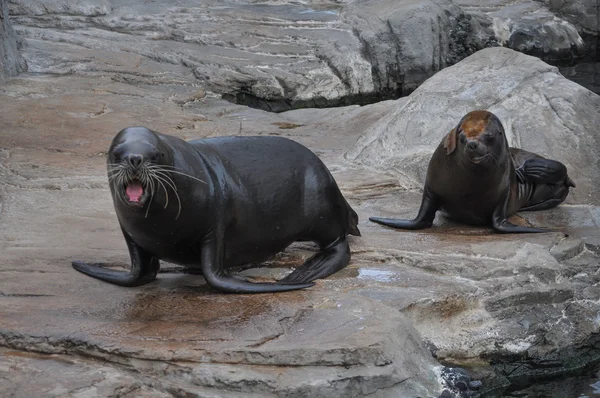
[203, 306]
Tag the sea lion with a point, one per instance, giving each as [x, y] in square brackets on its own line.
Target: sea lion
[219, 203]
[475, 178]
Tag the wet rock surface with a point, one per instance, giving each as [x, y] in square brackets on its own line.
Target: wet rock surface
[541, 111]
[510, 305]
[272, 55]
[507, 308]
[582, 13]
[532, 27]
[11, 61]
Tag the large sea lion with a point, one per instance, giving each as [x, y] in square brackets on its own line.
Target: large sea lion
[475, 178]
[219, 203]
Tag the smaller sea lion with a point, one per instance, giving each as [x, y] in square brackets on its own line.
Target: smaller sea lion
[216, 204]
[475, 178]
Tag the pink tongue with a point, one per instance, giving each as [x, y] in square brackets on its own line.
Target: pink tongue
[134, 191]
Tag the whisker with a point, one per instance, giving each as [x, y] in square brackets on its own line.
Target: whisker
[166, 193]
[159, 167]
[118, 196]
[151, 197]
[186, 175]
[172, 186]
[167, 177]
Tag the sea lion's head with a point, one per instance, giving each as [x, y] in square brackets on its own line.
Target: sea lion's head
[479, 137]
[134, 159]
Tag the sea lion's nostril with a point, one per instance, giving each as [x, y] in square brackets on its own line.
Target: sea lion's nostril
[135, 160]
[472, 145]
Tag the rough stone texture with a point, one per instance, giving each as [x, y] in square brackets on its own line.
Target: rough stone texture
[541, 111]
[508, 306]
[585, 14]
[528, 26]
[274, 55]
[176, 336]
[415, 39]
[11, 61]
[199, 341]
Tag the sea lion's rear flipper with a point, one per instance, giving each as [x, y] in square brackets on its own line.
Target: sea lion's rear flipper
[213, 270]
[423, 220]
[544, 171]
[548, 204]
[144, 267]
[503, 226]
[327, 261]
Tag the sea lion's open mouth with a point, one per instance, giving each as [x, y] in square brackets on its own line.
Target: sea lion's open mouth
[134, 191]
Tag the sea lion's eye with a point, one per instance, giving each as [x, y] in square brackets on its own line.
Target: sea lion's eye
[462, 138]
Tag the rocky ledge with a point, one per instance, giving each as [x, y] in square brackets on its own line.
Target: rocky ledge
[275, 55]
[281, 55]
[508, 308]
[11, 61]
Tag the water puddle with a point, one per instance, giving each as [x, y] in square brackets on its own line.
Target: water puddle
[584, 386]
[376, 275]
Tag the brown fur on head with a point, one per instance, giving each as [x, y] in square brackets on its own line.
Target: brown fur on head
[473, 124]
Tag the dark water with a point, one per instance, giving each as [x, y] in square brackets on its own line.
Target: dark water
[585, 386]
[587, 74]
[587, 69]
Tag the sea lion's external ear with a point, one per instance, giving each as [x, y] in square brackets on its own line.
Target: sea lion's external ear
[450, 142]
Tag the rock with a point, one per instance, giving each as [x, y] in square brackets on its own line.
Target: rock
[78, 377]
[296, 345]
[582, 13]
[274, 56]
[88, 8]
[541, 111]
[506, 308]
[406, 42]
[11, 61]
[529, 27]
[458, 383]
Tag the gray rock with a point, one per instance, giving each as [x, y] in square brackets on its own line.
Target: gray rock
[513, 305]
[529, 27]
[90, 8]
[406, 42]
[541, 111]
[582, 13]
[275, 56]
[300, 345]
[11, 61]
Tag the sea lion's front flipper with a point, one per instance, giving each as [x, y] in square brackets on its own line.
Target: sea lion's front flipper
[503, 226]
[544, 171]
[327, 261]
[213, 270]
[144, 267]
[423, 220]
